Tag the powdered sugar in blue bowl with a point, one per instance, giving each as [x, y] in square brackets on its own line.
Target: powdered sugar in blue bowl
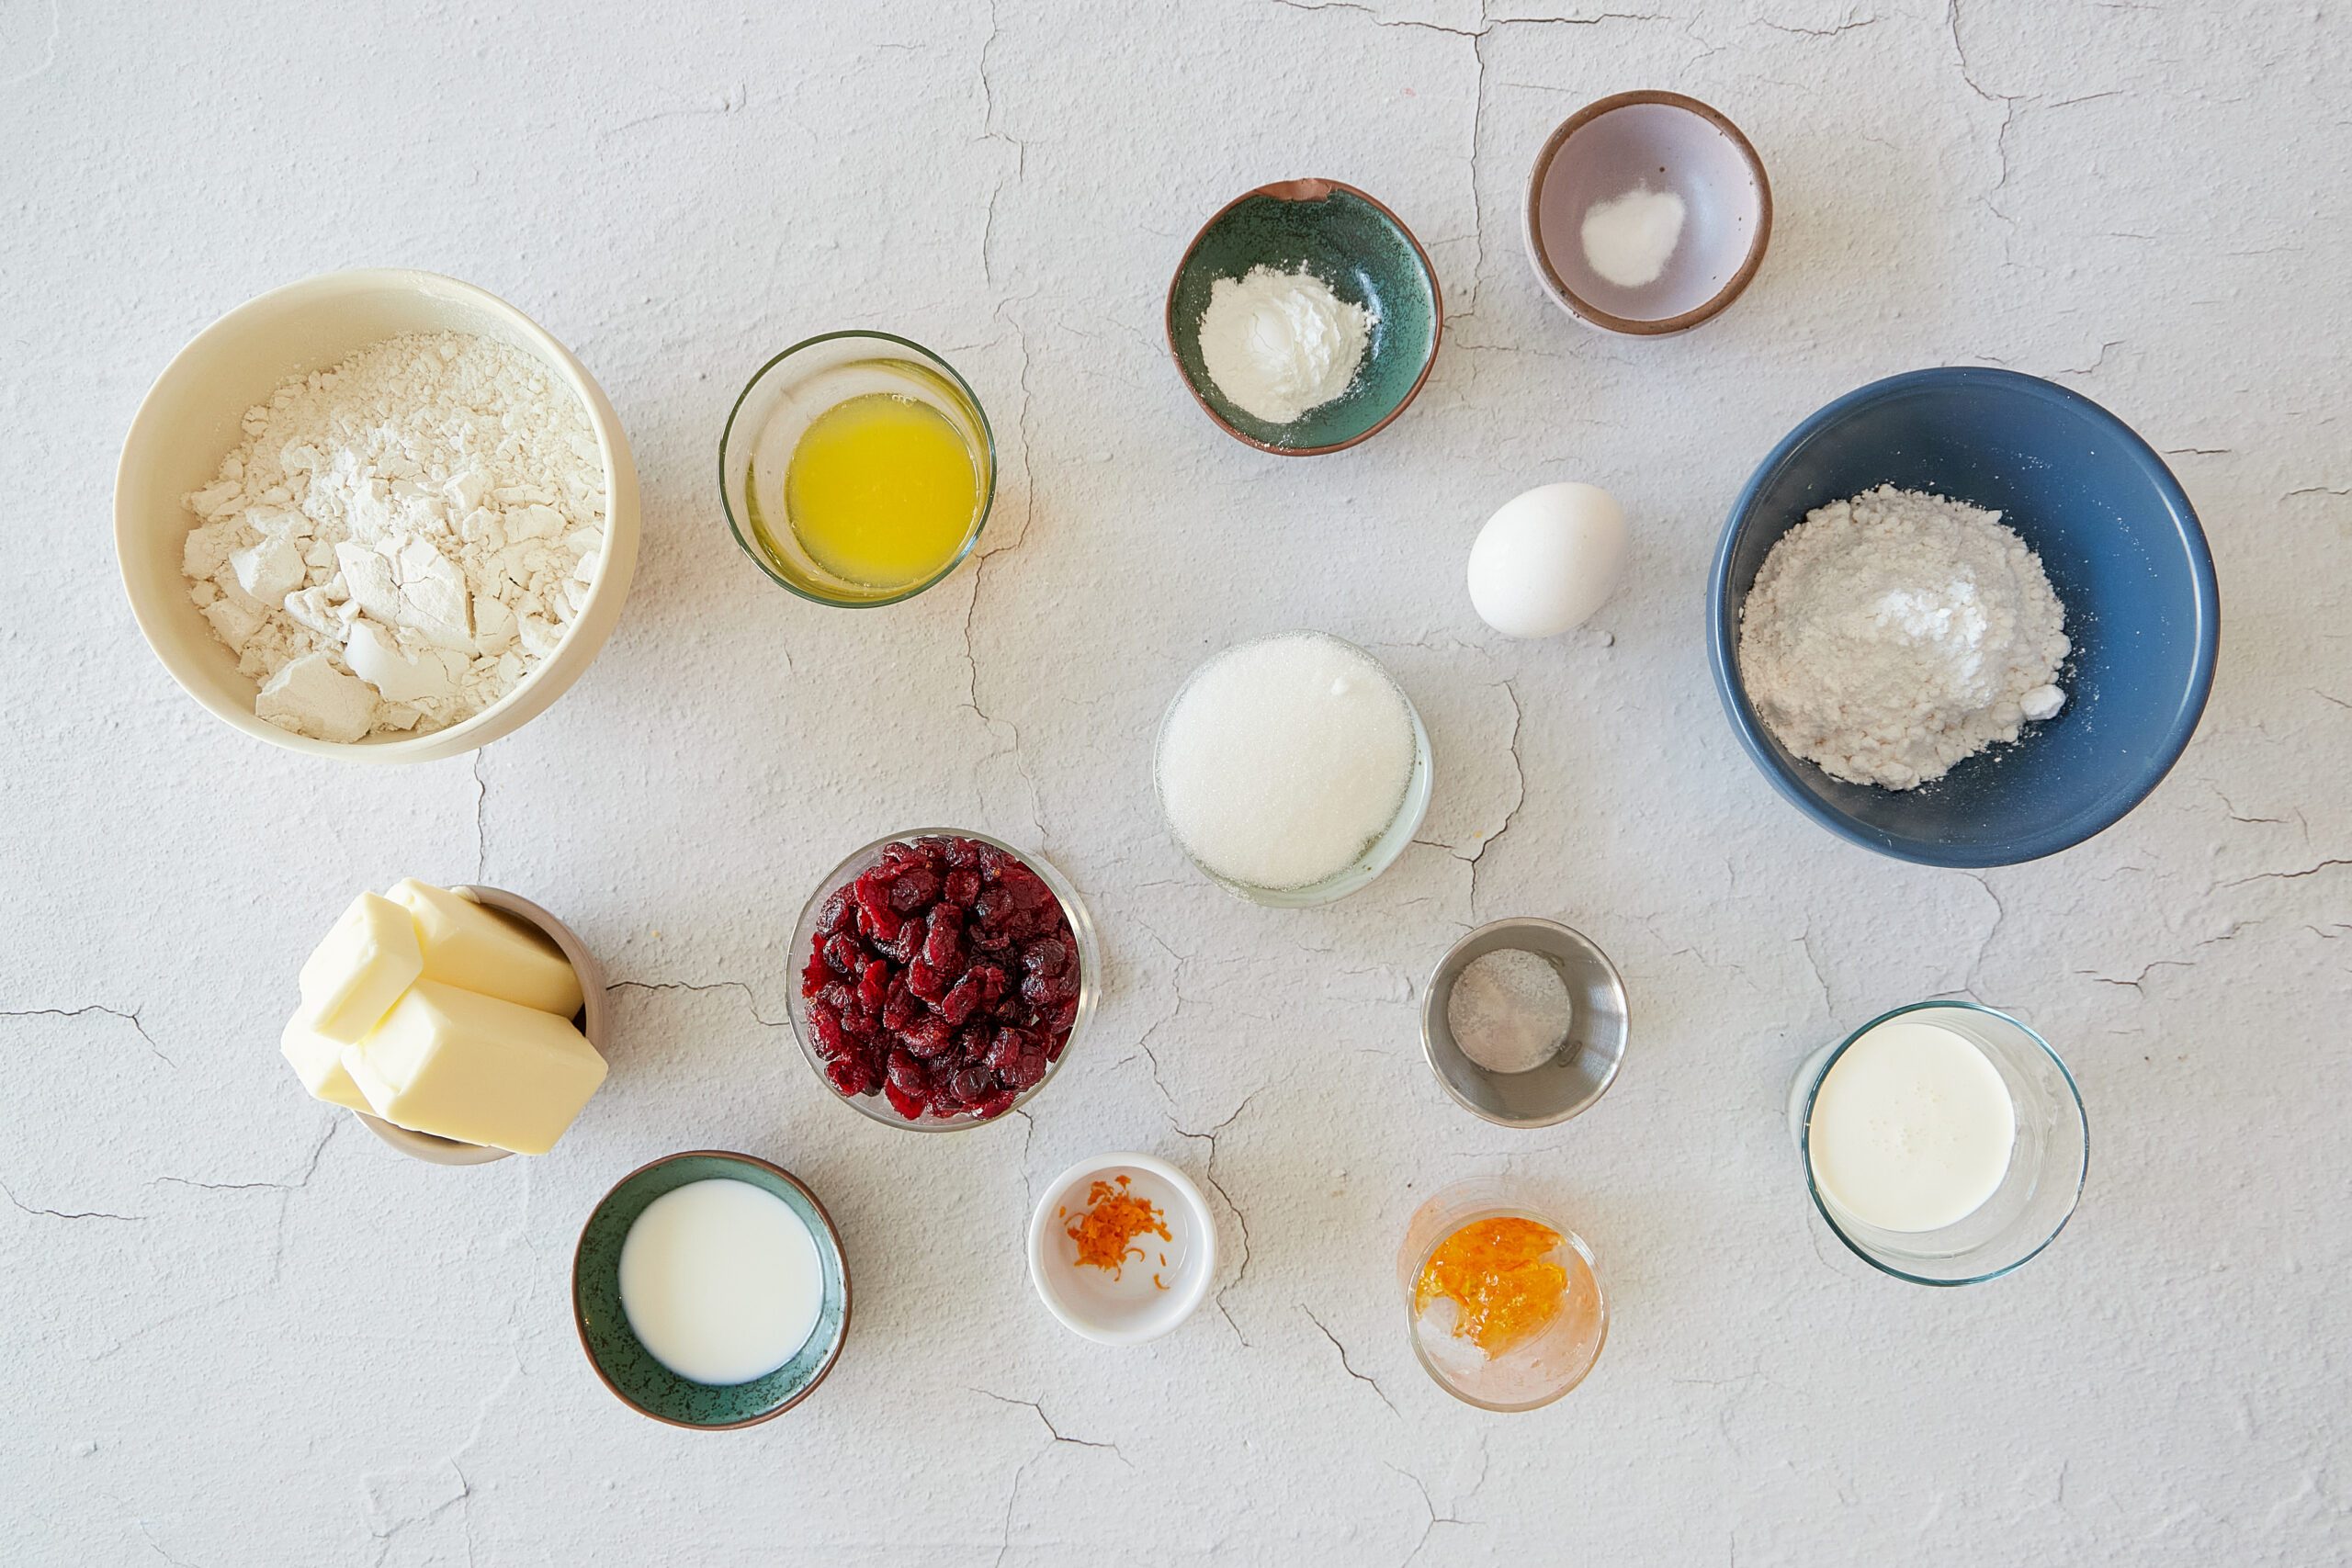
[2121, 546]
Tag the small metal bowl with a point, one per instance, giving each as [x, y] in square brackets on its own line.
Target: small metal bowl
[1584, 1068]
[593, 1020]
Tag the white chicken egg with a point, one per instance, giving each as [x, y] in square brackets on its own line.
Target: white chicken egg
[1544, 562]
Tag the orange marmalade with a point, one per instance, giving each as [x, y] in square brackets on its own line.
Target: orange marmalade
[1497, 1272]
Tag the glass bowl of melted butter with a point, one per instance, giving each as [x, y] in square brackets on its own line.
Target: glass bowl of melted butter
[857, 468]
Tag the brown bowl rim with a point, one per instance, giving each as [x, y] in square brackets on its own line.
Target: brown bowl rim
[1715, 303]
[849, 1295]
[1312, 189]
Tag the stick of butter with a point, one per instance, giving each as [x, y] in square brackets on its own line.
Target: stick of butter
[318, 1061]
[477, 1069]
[359, 971]
[476, 948]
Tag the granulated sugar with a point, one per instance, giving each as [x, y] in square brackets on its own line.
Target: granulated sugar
[1283, 760]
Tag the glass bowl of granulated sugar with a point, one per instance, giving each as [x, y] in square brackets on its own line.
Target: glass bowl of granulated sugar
[2109, 526]
[376, 515]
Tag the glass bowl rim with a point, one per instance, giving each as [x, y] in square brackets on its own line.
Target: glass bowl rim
[1821, 1205]
[987, 442]
[1090, 983]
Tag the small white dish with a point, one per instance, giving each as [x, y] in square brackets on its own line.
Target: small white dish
[1131, 1307]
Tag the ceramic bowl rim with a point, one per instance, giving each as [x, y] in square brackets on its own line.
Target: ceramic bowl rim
[832, 1232]
[615, 567]
[1715, 303]
[1723, 622]
[1202, 1275]
[1303, 190]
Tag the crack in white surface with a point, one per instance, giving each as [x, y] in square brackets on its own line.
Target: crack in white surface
[1347, 1366]
[751, 997]
[1240, 1220]
[129, 1016]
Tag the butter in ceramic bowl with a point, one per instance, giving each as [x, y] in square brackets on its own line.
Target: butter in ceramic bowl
[461, 1024]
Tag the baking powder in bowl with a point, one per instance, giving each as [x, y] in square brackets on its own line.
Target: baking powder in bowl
[1280, 344]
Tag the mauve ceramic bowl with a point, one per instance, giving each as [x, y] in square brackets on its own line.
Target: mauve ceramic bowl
[1662, 141]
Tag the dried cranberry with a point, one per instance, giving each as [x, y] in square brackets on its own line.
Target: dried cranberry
[850, 1075]
[928, 1036]
[905, 1104]
[856, 1021]
[836, 912]
[1056, 1040]
[1045, 956]
[907, 1073]
[926, 981]
[943, 944]
[874, 986]
[845, 957]
[899, 853]
[971, 1084]
[900, 1007]
[962, 887]
[961, 997]
[996, 1104]
[959, 853]
[825, 1026]
[1024, 1071]
[916, 886]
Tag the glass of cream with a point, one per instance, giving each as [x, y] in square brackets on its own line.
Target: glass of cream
[1943, 1142]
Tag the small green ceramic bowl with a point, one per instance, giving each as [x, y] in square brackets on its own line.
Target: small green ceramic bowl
[1365, 255]
[629, 1369]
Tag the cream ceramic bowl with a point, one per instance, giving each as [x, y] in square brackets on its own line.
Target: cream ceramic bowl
[191, 419]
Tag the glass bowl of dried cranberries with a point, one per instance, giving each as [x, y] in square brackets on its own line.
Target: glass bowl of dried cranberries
[942, 976]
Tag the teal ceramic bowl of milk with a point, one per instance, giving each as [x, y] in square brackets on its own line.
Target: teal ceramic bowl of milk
[710, 1291]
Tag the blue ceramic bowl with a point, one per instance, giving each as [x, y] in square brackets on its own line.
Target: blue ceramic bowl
[629, 1369]
[2121, 546]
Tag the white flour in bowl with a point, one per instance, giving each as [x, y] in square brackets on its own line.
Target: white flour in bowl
[1891, 635]
[402, 538]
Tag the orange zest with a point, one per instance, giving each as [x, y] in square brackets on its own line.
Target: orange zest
[1106, 1233]
[1499, 1273]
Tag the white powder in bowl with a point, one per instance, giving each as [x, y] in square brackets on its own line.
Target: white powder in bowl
[1630, 238]
[1283, 761]
[1279, 343]
[1891, 635]
[1509, 1010]
[400, 539]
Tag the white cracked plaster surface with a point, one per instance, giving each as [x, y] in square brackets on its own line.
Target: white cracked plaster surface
[239, 1332]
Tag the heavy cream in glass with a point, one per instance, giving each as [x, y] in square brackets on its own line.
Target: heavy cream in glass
[1911, 1128]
